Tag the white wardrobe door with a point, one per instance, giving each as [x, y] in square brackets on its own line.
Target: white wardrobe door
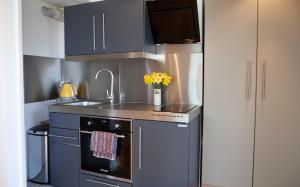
[229, 92]
[277, 152]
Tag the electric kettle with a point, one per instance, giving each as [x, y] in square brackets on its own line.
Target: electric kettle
[67, 90]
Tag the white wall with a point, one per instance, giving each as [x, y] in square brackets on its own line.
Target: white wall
[42, 36]
[35, 113]
[12, 138]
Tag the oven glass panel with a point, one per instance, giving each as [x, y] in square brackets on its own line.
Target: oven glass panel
[121, 167]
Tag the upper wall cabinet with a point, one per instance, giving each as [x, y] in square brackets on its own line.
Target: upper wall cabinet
[112, 26]
[80, 29]
[124, 26]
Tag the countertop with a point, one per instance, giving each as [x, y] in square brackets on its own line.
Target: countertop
[175, 113]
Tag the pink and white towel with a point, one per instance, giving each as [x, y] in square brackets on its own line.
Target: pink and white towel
[104, 145]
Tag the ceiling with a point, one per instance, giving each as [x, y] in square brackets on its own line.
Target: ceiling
[63, 3]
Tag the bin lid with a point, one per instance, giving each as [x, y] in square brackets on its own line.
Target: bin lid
[40, 130]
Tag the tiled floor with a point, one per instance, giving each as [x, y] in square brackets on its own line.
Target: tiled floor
[29, 184]
[208, 185]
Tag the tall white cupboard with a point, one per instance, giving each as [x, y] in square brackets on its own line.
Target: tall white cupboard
[252, 93]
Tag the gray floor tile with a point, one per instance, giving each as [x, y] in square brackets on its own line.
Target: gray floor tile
[30, 184]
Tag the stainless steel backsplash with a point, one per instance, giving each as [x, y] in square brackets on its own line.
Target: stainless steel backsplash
[82, 74]
[183, 62]
[41, 76]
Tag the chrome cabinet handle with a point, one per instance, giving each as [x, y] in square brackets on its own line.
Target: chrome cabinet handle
[65, 137]
[103, 32]
[248, 80]
[103, 183]
[263, 90]
[140, 148]
[79, 134]
[94, 32]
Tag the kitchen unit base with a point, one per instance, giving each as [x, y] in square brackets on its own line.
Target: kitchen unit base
[163, 153]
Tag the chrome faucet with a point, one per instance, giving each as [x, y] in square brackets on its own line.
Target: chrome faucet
[110, 95]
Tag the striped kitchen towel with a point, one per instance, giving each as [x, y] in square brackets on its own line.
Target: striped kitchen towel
[104, 145]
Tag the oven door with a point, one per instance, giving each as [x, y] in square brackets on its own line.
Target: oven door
[119, 169]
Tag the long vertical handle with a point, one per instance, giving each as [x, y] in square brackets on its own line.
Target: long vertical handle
[140, 148]
[94, 32]
[103, 32]
[263, 90]
[248, 80]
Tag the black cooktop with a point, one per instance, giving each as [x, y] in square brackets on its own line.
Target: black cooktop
[177, 108]
[173, 108]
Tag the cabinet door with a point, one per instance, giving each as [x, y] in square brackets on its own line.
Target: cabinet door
[64, 121]
[123, 26]
[277, 149]
[160, 152]
[92, 181]
[229, 92]
[64, 164]
[80, 30]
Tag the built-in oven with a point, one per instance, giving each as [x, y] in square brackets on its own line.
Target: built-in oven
[120, 168]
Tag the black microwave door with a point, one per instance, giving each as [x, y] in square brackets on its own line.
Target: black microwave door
[175, 26]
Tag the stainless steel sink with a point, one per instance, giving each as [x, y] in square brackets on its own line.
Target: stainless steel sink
[84, 103]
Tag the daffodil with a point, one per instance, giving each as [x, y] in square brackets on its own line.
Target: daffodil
[158, 80]
[148, 79]
[167, 80]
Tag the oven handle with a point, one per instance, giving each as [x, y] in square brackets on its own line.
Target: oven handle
[89, 132]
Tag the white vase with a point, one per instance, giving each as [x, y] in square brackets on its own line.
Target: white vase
[157, 97]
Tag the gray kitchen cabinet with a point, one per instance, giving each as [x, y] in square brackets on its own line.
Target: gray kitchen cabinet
[93, 181]
[165, 154]
[64, 164]
[123, 26]
[65, 121]
[64, 150]
[113, 26]
[80, 29]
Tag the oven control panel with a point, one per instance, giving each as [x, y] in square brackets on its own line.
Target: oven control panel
[105, 124]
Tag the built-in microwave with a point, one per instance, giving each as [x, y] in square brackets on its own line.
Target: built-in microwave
[121, 167]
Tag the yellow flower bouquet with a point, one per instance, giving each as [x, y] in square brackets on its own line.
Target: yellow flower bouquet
[158, 80]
